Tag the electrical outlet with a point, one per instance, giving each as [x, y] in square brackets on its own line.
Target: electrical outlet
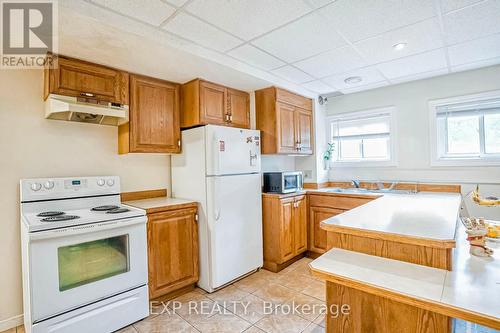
[307, 174]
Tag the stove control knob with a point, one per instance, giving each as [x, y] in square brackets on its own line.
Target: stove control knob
[36, 187]
[110, 182]
[101, 182]
[49, 185]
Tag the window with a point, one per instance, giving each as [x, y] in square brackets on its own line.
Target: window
[466, 130]
[362, 138]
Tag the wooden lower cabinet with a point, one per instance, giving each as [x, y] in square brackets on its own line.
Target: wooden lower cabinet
[285, 229]
[317, 236]
[172, 251]
[323, 206]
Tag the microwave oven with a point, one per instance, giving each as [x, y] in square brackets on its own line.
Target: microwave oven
[282, 182]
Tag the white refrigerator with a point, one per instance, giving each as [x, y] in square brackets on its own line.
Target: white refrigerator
[219, 167]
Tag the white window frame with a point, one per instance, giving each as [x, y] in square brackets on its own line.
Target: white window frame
[390, 111]
[437, 160]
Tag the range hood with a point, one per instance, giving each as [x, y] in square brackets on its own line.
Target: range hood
[78, 109]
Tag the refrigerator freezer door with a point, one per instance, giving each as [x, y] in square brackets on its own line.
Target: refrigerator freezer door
[232, 151]
[235, 226]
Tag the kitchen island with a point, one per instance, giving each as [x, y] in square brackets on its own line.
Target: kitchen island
[372, 266]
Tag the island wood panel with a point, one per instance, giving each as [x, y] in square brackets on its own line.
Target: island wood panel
[415, 254]
[441, 308]
[370, 313]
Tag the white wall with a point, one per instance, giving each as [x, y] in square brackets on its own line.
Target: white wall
[31, 146]
[412, 121]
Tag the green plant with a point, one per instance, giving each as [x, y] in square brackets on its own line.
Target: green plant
[329, 151]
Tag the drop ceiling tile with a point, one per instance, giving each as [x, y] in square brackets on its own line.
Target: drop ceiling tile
[177, 3]
[333, 62]
[475, 65]
[256, 57]
[248, 19]
[472, 22]
[449, 5]
[476, 50]
[150, 11]
[420, 63]
[420, 37]
[318, 87]
[301, 39]
[369, 75]
[360, 19]
[365, 87]
[420, 76]
[191, 28]
[292, 74]
[318, 3]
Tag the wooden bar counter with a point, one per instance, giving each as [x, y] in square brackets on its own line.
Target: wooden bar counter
[392, 260]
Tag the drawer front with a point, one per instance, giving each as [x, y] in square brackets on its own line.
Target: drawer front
[339, 202]
[293, 99]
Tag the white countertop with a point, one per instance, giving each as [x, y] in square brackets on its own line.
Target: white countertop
[157, 202]
[473, 285]
[421, 215]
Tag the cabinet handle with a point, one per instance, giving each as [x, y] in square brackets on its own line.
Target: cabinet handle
[230, 118]
[179, 143]
[86, 94]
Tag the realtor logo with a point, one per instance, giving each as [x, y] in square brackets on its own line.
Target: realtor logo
[28, 33]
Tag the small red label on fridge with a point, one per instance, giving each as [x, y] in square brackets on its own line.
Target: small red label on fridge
[222, 145]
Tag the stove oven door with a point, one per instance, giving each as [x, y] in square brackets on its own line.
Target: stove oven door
[76, 266]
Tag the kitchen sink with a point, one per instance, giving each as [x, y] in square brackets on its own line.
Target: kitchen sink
[364, 190]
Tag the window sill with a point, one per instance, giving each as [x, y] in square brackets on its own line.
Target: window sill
[447, 162]
[363, 164]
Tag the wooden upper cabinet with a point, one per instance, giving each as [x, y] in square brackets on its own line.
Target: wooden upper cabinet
[304, 128]
[238, 106]
[172, 251]
[212, 103]
[206, 103]
[79, 78]
[285, 120]
[154, 125]
[287, 135]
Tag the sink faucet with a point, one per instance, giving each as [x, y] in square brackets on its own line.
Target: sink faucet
[355, 183]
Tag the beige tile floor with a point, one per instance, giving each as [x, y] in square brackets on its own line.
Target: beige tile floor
[240, 306]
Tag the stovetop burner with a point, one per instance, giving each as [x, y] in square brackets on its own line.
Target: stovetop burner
[104, 208]
[59, 218]
[117, 211]
[52, 213]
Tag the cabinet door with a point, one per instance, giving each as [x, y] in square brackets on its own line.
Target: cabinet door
[304, 127]
[83, 79]
[238, 104]
[212, 104]
[154, 115]
[287, 229]
[300, 225]
[317, 236]
[285, 127]
[172, 251]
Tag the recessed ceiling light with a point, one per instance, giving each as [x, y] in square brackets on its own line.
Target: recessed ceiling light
[353, 80]
[399, 46]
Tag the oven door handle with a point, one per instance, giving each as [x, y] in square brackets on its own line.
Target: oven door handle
[87, 228]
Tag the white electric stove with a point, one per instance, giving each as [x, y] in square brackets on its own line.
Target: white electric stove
[84, 256]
